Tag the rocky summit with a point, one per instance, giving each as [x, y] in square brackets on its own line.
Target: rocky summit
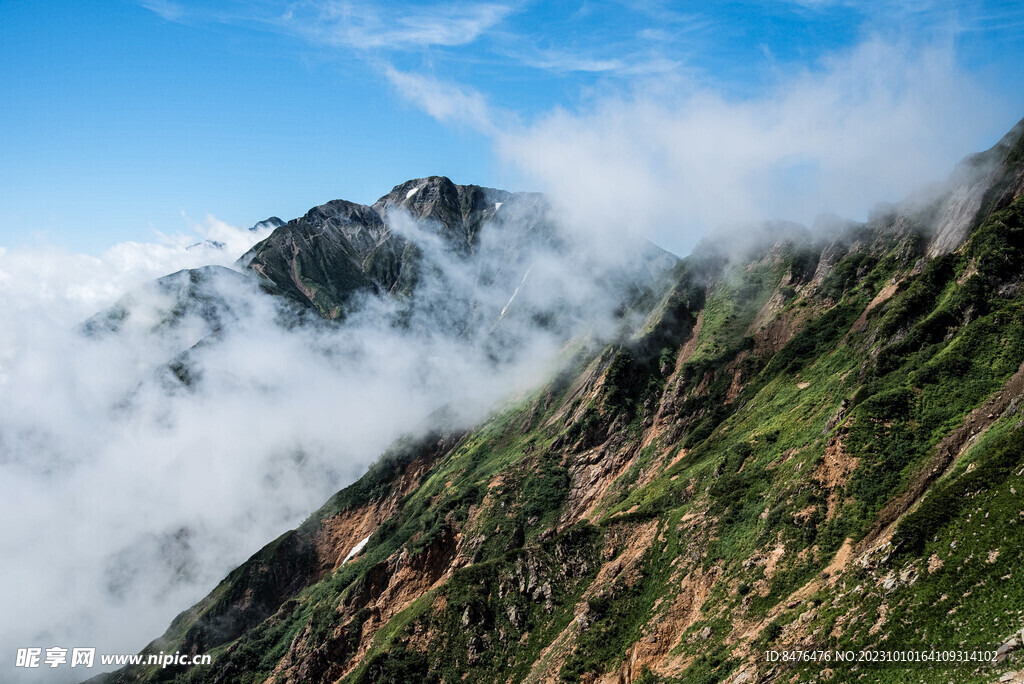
[340, 249]
[796, 444]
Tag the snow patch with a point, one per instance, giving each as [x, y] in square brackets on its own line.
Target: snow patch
[497, 206]
[411, 193]
[355, 550]
[513, 297]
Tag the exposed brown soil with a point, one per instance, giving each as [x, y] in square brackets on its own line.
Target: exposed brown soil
[771, 331]
[735, 368]
[626, 549]
[772, 559]
[388, 588]
[841, 560]
[653, 651]
[340, 533]
[970, 270]
[834, 472]
[687, 350]
[861, 323]
[592, 474]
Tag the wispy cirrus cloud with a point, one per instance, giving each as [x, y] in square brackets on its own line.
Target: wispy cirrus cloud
[393, 27]
[447, 102]
[608, 39]
[351, 24]
[1005, 19]
[171, 11]
[564, 61]
[622, 42]
[927, 14]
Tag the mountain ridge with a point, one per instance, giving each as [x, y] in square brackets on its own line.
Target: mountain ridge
[340, 248]
[421, 250]
[786, 451]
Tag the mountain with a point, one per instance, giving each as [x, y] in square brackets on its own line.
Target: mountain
[431, 255]
[802, 441]
[340, 250]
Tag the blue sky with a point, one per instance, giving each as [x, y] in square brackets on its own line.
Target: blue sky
[123, 118]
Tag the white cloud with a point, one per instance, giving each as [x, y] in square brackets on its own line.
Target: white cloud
[128, 497]
[52, 281]
[171, 11]
[446, 101]
[563, 61]
[674, 159]
[91, 469]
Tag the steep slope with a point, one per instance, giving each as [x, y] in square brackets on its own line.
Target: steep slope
[319, 258]
[813, 443]
[477, 263]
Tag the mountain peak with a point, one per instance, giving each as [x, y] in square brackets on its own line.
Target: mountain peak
[272, 222]
[457, 210]
[341, 247]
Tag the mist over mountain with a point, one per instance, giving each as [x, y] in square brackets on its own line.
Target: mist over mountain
[584, 464]
[595, 342]
[173, 432]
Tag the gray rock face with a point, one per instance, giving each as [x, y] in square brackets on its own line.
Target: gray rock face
[980, 184]
[341, 249]
[1008, 647]
[457, 210]
[957, 214]
[318, 259]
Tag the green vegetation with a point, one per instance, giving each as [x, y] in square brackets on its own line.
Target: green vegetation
[993, 465]
[646, 494]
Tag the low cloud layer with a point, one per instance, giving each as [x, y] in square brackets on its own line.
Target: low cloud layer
[128, 495]
[103, 500]
[65, 287]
